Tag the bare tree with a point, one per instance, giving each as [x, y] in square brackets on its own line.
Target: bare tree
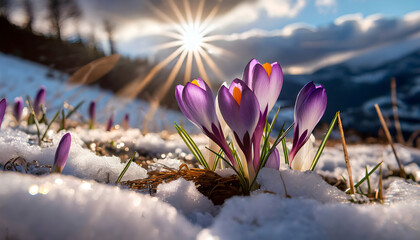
[29, 11]
[60, 11]
[4, 8]
[109, 29]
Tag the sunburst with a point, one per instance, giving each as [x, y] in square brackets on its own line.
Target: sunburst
[190, 40]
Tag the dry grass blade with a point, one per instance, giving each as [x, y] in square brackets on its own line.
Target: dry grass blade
[380, 187]
[400, 138]
[346, 155]
[388, 136]
[94, 70]
[210, 184]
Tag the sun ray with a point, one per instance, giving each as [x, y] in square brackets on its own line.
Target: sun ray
[136, 86]
[204, 24]
[200, 11]
[178, 13]
[164, 16]
[188, 66]
[201, 68]
[213, 66]
[188, 11]
[162, 92]
[218, 49]
[173, 35]
[168, 45]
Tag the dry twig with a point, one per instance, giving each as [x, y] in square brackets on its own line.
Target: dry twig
[388, 136]
[346, 155]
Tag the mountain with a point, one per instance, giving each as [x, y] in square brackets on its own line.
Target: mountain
[355, 88]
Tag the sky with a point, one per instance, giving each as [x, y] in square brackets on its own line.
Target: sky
[302, 35]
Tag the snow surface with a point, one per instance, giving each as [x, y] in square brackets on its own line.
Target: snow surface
[78, 204]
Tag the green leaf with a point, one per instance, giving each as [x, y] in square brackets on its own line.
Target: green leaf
[286, 153]
[276, 142]
[125, 169]
[192, 146]
[368, 180]
[49, 125]
[31, 109]
[217, 160]
[365, 177]
[324, 141]
[75, 109]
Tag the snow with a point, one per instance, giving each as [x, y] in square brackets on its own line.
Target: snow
[81, 204]
[81, 162]
[65, 207]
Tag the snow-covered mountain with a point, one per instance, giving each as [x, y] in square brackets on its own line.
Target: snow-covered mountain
[355, 88]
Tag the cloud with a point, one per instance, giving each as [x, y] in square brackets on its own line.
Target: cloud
[302, 48]
[325, 6]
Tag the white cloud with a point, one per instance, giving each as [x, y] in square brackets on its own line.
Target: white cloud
[282, 8]
[326, 5]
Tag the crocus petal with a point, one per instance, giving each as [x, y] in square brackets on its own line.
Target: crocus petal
[39, 99]
[126, 122]
[276, 84]
[3, 105]
[200, 105]
[17, 109]
[302, 95]
[261, 86]
[178, 95]
[110, 123]
[273, 161]
[303, 159]
[241, 118]
[92, 111]
[249, 73]
[62, 153]
[312, 109]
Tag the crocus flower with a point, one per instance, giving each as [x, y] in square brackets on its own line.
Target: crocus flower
[240, 109]
[110, 123]
[39, 100]
[17, 109]
[310, 105]
[92, 114]
[196, 101]
[3, 105]
[266, 81]
[126, 121]
[273, 161]
[62, 153]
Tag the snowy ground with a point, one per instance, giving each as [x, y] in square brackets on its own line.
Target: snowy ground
[78, 204]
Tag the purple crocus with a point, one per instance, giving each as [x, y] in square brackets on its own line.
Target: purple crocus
[310, 105]
[126, 122]
[92, 114]
[266, 81]
[196, 101]
[3, 105]
[110, 123]
[17, 108]
[62, 153]
[273, 160]
[39, 100]
[240, 109]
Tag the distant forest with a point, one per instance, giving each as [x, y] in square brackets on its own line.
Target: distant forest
[69, 55]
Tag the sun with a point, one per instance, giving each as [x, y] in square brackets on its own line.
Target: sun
[192, 38]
